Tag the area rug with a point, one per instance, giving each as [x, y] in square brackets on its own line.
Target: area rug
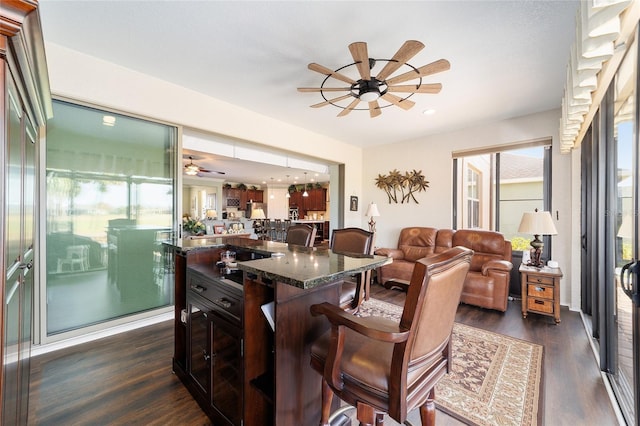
[495, 379]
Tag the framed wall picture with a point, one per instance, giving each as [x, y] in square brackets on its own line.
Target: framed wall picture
[353, 204]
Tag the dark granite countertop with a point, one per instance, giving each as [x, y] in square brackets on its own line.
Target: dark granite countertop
[302, 267]
[188, 244]
[308, 268]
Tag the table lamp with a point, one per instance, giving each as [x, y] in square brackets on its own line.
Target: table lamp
[211, 214]
[372, 211]
[537, 223]
[257, 214]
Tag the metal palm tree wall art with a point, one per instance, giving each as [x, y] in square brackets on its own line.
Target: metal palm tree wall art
[402, 186]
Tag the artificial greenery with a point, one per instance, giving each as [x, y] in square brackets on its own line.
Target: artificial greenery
[192, 225]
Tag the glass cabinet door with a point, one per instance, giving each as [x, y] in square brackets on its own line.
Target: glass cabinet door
[226, 371]
[199, 347]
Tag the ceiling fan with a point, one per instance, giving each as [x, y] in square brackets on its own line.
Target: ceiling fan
[194, 170]
[371, 89]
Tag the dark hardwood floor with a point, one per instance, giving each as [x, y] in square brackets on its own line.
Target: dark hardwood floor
[127, 378]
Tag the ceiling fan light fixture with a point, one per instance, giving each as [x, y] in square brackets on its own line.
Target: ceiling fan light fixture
[370, 95]
[191, 171]
[370, 88]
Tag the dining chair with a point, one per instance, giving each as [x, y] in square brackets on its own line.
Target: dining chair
[359, 242]
[379, 365]
[301, 234]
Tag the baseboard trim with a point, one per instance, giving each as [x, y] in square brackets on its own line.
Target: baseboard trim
[95, 335]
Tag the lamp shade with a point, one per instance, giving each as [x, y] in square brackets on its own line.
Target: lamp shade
[372, 210]
[257, 214]
[537, 223]
[211, 214]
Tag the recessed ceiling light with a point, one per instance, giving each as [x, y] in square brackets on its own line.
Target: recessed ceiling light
[109, 120]
[429, 111]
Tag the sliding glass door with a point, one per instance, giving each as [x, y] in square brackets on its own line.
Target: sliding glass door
[621, 317]
[110, 185]
[611, 235]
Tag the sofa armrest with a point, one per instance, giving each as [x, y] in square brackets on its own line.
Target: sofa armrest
[396, 254]
[496, 266]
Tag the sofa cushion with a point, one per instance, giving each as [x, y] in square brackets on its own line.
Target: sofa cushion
[444, 240]
[417, 242]
[486, 245]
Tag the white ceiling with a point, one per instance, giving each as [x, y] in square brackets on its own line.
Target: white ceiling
[508, 58]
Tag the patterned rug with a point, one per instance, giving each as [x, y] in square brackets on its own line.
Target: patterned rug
[495, 380]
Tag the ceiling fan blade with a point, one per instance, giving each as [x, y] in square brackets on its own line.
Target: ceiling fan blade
[338, 99]
[348, 109]
[402, 103]
[361, 57]
[323, 89]
[407, 51]
[326, 71]
[412, 88]
[432, 68]
[374, 109]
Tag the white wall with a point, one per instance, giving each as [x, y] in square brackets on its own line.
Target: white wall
[433, 155]
[85, 78]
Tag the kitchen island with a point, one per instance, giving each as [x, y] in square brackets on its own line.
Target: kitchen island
[277, 384]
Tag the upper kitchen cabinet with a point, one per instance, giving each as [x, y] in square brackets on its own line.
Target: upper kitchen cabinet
[315, 201]
[251, 195]
[236, 197]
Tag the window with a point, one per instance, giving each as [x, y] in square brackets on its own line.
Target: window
[473, 197]
[499, 186]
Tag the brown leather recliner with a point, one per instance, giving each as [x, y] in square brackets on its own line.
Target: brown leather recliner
[487, 283]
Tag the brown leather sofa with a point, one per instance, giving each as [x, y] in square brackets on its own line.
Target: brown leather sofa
[487, 282]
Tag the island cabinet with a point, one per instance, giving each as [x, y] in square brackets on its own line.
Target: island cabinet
[279, 380]
[214, 343]
[242, 348]
[187, 253]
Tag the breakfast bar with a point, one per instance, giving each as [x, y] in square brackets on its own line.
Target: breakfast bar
[243, 341]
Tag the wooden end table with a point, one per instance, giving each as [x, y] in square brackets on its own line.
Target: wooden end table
[541, 291]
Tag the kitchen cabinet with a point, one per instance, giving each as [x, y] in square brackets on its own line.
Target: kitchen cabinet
[232, 197]
[315, 201]
[235, 197]
[24, 108]
[296, 199]
[255, 195]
